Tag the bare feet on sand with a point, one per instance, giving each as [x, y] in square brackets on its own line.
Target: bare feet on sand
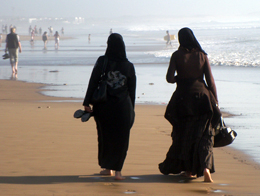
[207, 175]
[106, 172]
[187, 174]
[118, 176]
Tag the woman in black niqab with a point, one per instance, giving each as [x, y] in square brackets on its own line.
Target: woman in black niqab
[188, 40]
[115, 117]
[116, 48]
[191, 111]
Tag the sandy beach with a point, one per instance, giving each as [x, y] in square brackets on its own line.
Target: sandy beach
[45, 151]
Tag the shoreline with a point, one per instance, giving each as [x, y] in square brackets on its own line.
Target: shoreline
[46, 151]
[40, 90]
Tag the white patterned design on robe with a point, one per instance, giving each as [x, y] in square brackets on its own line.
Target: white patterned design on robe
[115, 79]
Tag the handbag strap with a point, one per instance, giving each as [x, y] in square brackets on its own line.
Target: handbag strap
[222, 122]
[104, 67]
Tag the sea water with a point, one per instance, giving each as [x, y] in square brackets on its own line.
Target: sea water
[233, 51]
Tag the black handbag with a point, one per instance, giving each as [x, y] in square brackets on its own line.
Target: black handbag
[223, 135]
[100, 94]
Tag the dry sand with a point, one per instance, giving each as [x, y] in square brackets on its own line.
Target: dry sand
[45, 151]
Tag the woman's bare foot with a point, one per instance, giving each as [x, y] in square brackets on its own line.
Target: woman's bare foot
[106, 172]
[187, 174]
[207, 175]
[118, 176]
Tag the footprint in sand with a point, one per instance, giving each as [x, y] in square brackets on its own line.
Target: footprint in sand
[130, 192]
[134, 178]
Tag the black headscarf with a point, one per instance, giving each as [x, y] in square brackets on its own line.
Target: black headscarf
[116, 48]
[188, 40]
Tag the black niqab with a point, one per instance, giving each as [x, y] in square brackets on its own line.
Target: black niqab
[116, 48]
[188, 40]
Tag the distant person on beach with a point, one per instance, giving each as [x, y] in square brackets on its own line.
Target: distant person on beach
[3, 29]
[40, 30]
[89, 35]
[32, 38]
[110, 32]
[1, 38]
[51, 30]
[191, 111]
[168, 39]
[10, 27]
[36, 30]
[32, 35]
[45, 39]
[57, 39]
[115, 117]
[12, 45]
[6, 29]
[30, 30]
[62, 31]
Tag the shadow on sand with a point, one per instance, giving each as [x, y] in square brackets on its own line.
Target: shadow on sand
[153, 178]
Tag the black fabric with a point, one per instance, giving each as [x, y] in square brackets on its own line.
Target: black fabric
[100, 94]
[115, 117]
[190, 112]
[114, 121]
[126, 68]
[44, 37]
[116, 48]
[188, 40]
[12, 40]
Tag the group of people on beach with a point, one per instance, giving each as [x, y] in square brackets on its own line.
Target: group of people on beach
[34, 32]
[190, 110]
[5, 28]
[56, 39]
[13, 44]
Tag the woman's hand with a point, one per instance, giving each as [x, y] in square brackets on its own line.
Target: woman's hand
[88, 109]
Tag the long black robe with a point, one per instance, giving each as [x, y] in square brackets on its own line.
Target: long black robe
[193, 113]
[192, 109]
[115, 117]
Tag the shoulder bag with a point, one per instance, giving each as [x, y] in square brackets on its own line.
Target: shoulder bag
[223, 135]
[100, 94]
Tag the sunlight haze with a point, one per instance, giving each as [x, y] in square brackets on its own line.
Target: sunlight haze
[208, 10]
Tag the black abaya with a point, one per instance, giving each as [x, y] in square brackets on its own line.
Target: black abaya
[115, 117]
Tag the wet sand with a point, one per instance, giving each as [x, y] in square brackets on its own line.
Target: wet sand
[45, 151]
[38, 37]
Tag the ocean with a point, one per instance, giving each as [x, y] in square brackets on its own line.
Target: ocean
[233, 51]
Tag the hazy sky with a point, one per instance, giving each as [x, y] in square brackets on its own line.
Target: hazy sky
[114, 8]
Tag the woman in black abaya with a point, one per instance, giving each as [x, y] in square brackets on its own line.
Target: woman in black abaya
[115, 117]
[192, 111]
